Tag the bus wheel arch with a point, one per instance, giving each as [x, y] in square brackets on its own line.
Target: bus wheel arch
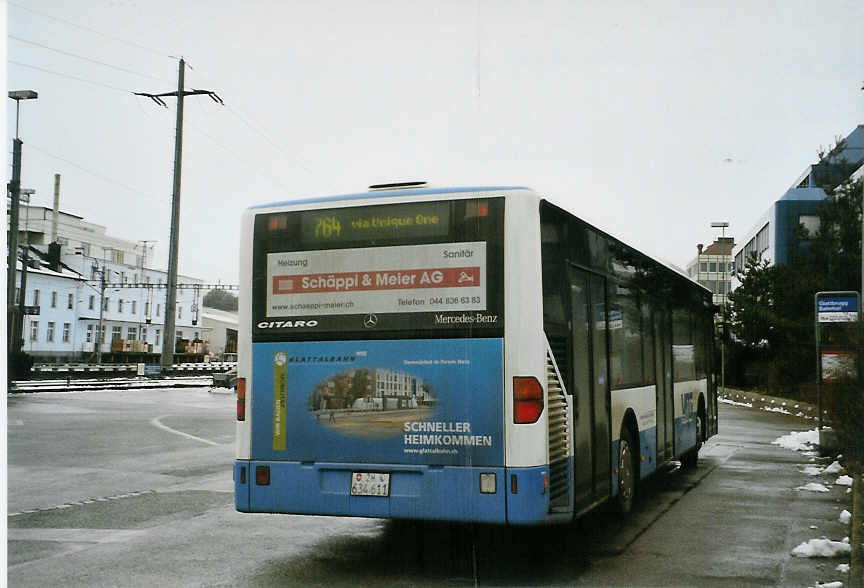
[627, 464]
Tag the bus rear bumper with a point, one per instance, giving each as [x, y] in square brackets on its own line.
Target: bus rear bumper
[436, 493]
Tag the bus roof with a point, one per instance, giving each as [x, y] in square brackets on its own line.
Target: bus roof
[391, 194]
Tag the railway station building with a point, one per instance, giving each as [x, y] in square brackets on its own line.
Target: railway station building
[67, 260]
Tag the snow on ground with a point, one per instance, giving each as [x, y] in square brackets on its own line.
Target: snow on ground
[829, 585]
[845, 517]
[733, 403]
[822, 548]
[844, 481]
[776, 409]
[834, 468]
[812, 470]
[798, 441]
[843, 568]
[813, 487]
[219, 390]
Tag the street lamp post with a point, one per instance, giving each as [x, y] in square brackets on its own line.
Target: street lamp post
[15, 322]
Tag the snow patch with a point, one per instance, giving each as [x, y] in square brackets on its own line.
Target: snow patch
[813, 487]
[822, 548]
[834, 468]
[775, 409]
[843, 568]
[812, 470]
[798, 441]
[829, 585]
[844, 481]
[845, 517]
[733, 403]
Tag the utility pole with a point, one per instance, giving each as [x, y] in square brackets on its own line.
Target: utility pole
[13, 319]
[167, 358]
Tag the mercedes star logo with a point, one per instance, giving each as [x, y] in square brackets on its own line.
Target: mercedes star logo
[370, 321]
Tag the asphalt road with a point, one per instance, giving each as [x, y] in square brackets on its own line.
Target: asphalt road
[133, 488]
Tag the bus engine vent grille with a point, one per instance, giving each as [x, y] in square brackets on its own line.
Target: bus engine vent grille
[559, 436]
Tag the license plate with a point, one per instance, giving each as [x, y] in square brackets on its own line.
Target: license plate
[370, 484]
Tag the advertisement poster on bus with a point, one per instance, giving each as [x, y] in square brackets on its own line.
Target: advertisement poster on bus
[409, 278]
[435, 402]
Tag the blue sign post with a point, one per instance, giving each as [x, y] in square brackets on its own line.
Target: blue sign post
[836, 356]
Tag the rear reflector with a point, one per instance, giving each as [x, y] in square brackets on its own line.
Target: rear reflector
[241, 399]
[527, 399]
[262, 475]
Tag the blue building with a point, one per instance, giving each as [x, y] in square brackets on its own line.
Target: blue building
[775, 237]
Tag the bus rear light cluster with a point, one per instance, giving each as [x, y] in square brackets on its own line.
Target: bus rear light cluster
[241, 399]
[262, 475]
[527, 399]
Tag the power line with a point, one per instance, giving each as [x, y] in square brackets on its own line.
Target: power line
[89, 30]
[83, 58]
[62, 75]
[98, 175]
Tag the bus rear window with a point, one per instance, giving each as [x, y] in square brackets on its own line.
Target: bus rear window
[408, 270]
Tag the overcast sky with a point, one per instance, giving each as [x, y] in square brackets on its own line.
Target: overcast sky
[648, 119]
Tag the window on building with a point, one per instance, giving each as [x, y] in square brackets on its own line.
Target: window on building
[712, 267]
[17, 295]
[179, 312]
[120, 305]
[67, 330]
[158, 309]
[91, 302]
[134, 306]
[34, 330]
[89, 335]
[105, 305]
[49, 334]
[54, 299]
[158, 336]
[811, 223]
[132, 333]
[94, 272]
[36, 297]
[101, 331]
[70, 301]
[703, 266]
[144, 334]
[116, 333]
[146, 309]
[118, 256]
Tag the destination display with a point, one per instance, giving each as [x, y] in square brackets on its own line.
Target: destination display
[409, 278]
[424, 219]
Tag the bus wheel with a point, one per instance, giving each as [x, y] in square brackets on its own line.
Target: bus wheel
[690, 460]
[626, 473]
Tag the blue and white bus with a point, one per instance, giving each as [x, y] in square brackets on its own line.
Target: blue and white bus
[460, 354]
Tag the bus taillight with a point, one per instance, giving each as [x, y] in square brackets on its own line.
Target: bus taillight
[527, 399]
[241, 399]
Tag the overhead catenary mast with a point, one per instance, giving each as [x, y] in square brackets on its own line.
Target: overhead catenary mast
[167, 358]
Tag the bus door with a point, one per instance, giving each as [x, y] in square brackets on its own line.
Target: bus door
[590, 388]
[663, 369]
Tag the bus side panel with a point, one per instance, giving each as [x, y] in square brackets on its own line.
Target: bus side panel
[686, 406]
[643, 402]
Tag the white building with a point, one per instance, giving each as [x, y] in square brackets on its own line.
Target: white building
[220, 332]
[713, 267]
[132, 301]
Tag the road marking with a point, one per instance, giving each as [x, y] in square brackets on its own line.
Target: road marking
[73, 535]
[158, 424]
